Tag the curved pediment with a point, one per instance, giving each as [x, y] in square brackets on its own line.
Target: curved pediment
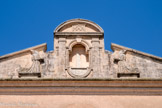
[78, 25]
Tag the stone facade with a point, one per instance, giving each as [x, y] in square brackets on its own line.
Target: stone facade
[80, 73]
[79, 53]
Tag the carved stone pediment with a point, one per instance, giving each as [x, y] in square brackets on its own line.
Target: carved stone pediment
[79, 53]
[78, 25]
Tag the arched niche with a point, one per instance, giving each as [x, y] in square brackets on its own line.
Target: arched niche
[78, 56]
[82, 42]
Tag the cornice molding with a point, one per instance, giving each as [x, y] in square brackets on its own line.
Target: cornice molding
[80, 87]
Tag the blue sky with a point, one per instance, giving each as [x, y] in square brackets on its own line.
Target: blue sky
[135, 24]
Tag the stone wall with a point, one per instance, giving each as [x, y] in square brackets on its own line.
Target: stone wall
[89, 61]
[132, 63]
[22, 61]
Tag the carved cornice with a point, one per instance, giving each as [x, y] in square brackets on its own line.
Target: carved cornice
[80, 87]
[97, 34]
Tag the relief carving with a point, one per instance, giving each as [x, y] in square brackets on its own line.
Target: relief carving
[79, 72]
[123, 65]
[36, 62]
[49, 61]
[78, 28]
[35, 69]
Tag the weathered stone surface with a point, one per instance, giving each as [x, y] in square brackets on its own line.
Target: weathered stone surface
[22, 61]
[132, 61]
[80, 73]
[79, 53]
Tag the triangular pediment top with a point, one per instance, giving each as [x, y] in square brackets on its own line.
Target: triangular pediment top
[119, 47]
[42, 47]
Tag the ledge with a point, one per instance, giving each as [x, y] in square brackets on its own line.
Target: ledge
[80, 79]
[81, 87]
[78, 33]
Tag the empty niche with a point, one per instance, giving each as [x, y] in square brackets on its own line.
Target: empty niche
[78, 57]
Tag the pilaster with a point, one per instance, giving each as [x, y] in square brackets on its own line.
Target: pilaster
[95, 57]
[61, 56]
